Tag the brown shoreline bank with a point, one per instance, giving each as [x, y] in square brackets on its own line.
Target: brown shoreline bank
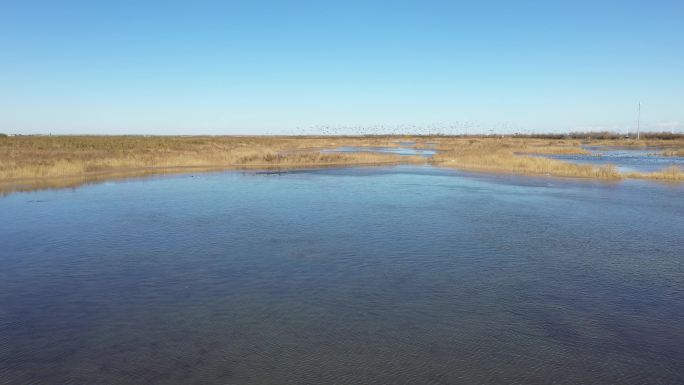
[94, 177]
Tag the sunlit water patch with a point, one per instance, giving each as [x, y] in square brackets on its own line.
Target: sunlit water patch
[625, 159]
[387, 150]
[399, 275]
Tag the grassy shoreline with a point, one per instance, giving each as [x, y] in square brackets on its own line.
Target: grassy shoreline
[45, 157]
[45, 160]
[513, 156]
[94, 177]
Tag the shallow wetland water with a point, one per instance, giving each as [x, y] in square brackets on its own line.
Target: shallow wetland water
[386, 275]
[625, 159]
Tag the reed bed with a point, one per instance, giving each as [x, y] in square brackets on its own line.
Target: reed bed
[41, 159]
[510, 157]
[674, 152]
[671, 174]
[516, 145]
[671, 146]
[65, 156]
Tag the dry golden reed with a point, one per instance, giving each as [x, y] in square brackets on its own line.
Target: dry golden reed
[45, 159]
[674, 152]
[26, 157]
[511, 156]
[672, 174]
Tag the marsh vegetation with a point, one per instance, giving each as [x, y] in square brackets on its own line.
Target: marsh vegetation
[65, 160]
[521, 156]
[27, 157]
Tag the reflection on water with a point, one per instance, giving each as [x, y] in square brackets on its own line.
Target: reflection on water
[7, 188]
[402, 275]
[647, 159]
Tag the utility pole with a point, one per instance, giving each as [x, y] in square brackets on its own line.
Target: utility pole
[639, 121]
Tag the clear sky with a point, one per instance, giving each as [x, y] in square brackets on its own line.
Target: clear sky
[268, 67]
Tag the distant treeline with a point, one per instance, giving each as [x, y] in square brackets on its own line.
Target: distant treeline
[606, 135]
[572, 135]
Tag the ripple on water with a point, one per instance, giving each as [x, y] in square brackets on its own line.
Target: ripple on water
[395, 275]
[625, 159]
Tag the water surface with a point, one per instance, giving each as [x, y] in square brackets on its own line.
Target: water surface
[398, 275]
[626, 159]
[386, 150]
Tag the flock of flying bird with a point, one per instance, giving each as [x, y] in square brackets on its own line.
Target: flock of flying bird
[457, 128]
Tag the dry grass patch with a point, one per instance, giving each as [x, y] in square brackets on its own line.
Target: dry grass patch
[63, 156]
[672, 174]
[50, 157]
[674, 152]
[507, 162]
[508, 156]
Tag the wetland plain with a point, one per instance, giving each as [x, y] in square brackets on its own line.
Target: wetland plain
[399, 266]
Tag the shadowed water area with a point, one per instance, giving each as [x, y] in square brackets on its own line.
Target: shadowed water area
[396, 275]
[625, 159]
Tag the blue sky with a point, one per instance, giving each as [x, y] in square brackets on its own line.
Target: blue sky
[267, 67]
